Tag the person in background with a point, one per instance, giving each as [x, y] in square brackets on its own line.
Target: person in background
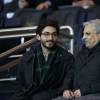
[42, 71]
[83, 3]
[54, 4]
[23, 4]
[35, 4]
[43, 5]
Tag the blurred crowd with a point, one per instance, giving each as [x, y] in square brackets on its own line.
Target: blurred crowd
[44, 4]
[15, 13]
[8, 8]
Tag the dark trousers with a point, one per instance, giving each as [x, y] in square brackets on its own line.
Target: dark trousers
[87, 97]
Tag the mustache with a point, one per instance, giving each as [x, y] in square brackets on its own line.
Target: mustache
[50, 41]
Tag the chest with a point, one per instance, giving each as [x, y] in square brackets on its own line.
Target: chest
[88, 67]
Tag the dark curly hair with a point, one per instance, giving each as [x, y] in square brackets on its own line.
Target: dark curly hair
[47, 22]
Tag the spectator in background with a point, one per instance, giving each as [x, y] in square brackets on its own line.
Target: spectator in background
[91, 7]
[42, 71]
[35, 4]
[45, 4]
[83, 3]
[38, 4]
[13, 5]
[23, 4]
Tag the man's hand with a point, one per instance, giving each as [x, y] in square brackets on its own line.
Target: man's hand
[43, 5]
[77, 93]
[68, 94]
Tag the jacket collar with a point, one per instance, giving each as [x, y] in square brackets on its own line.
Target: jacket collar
[95, 49]
[36, 48]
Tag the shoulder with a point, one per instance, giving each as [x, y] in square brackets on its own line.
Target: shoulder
[30, 54]
[64, 52]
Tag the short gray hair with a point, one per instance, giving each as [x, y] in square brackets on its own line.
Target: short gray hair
[95, 24]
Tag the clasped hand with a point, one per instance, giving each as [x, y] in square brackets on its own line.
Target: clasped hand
[71, 94]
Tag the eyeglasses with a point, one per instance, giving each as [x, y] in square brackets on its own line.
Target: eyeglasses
[47, 34]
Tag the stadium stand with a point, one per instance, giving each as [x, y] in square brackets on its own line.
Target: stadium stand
[24, 17]
[66, 15]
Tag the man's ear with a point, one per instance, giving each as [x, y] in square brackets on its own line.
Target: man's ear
[38, 37]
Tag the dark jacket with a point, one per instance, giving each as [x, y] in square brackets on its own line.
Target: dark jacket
[57, 3]
[54, 81]
[54, 3]
[87, 70]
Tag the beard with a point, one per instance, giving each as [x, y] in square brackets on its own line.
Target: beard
[48, 44]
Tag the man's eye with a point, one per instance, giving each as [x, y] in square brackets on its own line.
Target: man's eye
[46, 34]
[87, 33]
[54, 34]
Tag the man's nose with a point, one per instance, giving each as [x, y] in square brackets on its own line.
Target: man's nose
[50, 36]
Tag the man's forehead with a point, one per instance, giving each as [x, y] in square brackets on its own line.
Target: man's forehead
[49, 28]
[88, 27]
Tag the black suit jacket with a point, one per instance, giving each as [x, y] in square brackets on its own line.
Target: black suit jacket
[57, 79]
[87, 71]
